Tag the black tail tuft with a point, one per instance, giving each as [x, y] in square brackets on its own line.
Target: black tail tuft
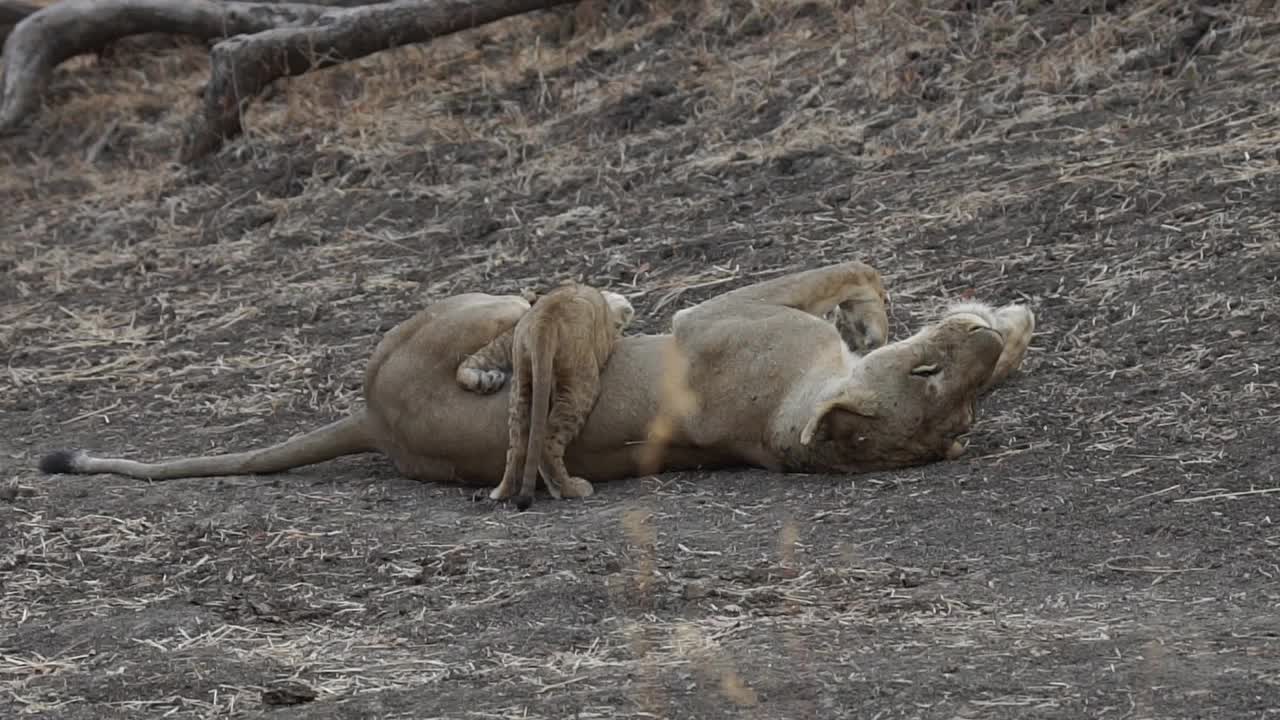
[59, 461]
[524, 502]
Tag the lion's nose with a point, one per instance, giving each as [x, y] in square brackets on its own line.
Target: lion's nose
[872, 336]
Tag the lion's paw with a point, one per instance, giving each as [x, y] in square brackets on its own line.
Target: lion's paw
[1016, 323]
[863, 326]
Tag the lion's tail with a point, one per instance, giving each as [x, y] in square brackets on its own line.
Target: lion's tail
[347, 436]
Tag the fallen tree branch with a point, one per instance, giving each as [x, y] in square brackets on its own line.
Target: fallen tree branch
[49, 36]
[242, 66]
[12, 13]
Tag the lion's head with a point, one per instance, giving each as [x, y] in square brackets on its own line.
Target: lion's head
[908, 402]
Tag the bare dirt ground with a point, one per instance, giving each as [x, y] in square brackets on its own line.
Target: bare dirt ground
[1108, 549]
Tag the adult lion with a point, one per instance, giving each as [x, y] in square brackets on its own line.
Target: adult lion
[774, 383]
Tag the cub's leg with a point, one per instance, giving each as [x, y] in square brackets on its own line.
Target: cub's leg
[486, 370]
[573, 403]
[518, 415]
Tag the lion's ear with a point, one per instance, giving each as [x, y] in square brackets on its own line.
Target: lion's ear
[856, 400]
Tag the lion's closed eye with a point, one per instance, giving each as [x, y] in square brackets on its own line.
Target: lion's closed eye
[925, 370]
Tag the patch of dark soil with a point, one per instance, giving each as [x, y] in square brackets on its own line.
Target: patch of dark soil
[599, 61]
[656, 105]
[740, 22]
[438, 163]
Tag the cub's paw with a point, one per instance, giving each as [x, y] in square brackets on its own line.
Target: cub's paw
[501, 492]
[483, 382]
[576, 487]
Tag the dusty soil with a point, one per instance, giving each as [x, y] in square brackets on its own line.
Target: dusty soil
[1108, 549]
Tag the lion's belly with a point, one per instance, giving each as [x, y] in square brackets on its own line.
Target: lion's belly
[440, 432]
[609, 445]
[449, 435]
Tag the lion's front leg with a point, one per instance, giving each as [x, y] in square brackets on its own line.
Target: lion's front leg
[853, 291]
[816, 291]
[864, 325]
[1016, 323]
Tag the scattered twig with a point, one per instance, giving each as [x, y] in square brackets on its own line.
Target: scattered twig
[1228, 495]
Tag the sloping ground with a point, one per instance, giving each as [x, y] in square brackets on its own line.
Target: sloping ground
[1108, 550]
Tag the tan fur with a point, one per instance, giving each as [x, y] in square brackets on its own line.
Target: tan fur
[557, 352]
[486, 370]
[773, 384]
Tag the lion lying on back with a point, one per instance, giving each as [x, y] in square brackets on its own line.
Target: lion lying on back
[776, 386]
[558, 349]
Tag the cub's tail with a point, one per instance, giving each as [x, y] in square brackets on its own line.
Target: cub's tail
[541, 372]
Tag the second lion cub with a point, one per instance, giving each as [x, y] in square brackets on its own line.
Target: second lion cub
[557, 351]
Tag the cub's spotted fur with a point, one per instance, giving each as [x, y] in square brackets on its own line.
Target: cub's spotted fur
[555, 355]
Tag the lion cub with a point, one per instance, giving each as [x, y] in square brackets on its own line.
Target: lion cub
[557, 352]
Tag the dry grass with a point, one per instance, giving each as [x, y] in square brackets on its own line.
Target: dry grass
[1106, 552]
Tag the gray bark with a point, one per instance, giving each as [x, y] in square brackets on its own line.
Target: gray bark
[242, 66]
[12, 13]
[46, 38]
